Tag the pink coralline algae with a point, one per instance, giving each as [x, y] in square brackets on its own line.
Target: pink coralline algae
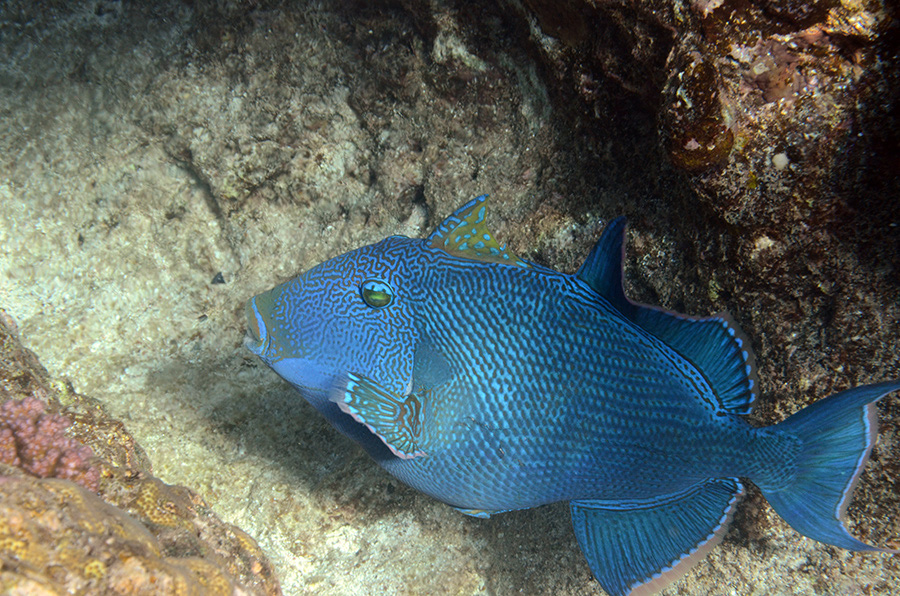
[35, 441]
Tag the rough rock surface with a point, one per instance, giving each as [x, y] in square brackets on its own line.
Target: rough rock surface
[165, 161]
[61, 533]
[35, 441]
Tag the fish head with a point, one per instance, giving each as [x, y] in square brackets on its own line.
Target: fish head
[350, 314]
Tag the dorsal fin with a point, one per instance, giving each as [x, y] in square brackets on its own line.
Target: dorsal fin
[715, 345]
[465, 234]
[602, 270]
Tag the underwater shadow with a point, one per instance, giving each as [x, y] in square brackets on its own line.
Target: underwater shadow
[532, 551]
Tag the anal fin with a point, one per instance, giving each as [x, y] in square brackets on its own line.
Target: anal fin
[640, 546]
[396, 420]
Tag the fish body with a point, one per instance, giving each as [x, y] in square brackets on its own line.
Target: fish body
[492, 384]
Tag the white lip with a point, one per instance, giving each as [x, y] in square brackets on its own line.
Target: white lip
[257, 337]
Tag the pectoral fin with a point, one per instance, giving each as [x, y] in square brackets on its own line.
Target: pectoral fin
[395, 419]
[641, 546]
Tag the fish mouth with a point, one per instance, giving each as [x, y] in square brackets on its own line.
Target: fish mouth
[257, 338]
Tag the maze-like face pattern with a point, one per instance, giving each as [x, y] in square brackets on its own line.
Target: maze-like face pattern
[544, 391]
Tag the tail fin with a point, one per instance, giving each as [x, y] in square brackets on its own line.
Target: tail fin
[836, 435]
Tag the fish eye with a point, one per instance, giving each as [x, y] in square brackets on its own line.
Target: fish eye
[376, 293]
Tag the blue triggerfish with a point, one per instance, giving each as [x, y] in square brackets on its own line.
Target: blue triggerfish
[492, 383]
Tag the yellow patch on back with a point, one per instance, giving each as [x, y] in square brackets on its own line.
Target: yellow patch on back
[465, 234]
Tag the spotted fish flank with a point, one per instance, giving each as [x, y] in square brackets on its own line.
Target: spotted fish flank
[492, 384]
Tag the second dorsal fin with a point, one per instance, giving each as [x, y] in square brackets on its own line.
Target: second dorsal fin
[715, 345]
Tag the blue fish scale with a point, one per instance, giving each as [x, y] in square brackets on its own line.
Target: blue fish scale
[492, 383]
[573, 397]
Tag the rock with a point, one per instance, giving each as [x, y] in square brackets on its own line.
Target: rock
[149, 149]
[114, 529]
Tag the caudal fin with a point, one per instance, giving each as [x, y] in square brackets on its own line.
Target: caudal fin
[836, 435]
